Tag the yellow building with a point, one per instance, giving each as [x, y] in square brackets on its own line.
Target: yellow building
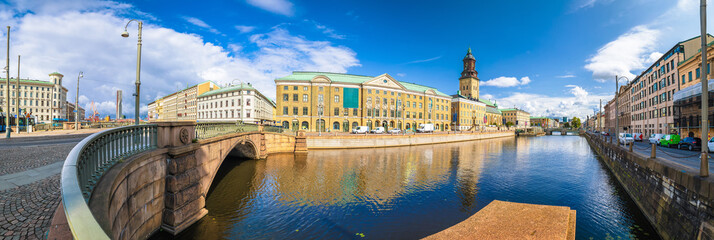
[543, 122]
[180, 105]
[468, 111]
[319, 101]
[518, 117]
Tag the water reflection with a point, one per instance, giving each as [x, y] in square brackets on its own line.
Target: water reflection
[411, 192]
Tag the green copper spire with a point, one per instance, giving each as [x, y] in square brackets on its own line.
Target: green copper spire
[469, 52]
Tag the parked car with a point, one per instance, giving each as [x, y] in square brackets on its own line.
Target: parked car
[425, 128]
[394, 130]
[710, 144]
[669, 140]
[605, 133]
[638, 137]
[378, 130]
[626, 138]
[654, 138]
[360, 129]
[690, 143]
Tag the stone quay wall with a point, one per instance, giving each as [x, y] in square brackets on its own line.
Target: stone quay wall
[676, 201]
[388, 140]
[129, 200]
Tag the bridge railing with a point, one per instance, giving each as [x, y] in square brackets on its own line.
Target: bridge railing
[276, 129]
[206, 130]
[86, 164]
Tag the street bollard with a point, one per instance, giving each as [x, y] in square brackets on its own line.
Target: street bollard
[632, 143]
[654, 151]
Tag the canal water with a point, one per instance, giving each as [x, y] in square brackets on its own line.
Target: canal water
[412, 192]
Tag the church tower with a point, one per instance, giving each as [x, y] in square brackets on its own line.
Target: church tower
[468, 83]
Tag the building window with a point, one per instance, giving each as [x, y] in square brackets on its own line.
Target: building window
[304, 111]
[420, 115]
[304, 97]
[369, 113]
[376, 112]
[304, 88]
[286, 97]
[295, 111]
[337, 112]
[337, 99]
[295, 97]
[320, 98]
[320, 88]
[295, 88]
[354, 112]
[285, 88]
[369, 91]
[337, 89]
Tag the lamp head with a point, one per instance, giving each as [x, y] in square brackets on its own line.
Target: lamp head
[81, 74]
[125, 34]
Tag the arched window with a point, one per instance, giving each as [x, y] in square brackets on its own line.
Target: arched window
[346, 126]
[354, 125]
[305, 125]
[320, 124]
[369, 124]
[286, 124]
[336, 125]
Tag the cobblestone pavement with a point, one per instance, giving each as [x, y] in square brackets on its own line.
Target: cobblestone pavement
[26, 211]
[18, 159]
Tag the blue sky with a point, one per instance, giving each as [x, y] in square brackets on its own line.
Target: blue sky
[552, 58]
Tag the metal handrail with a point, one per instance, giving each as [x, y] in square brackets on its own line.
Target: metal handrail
[205, 130]
[86, 164]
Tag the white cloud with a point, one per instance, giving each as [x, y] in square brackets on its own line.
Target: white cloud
[401, 74]
[89, 41]
[245, 29]
[628, 52]
[566, 76]
[424, 60]
[200, 23]
[506, 82]
[282, 7]
[575, 101]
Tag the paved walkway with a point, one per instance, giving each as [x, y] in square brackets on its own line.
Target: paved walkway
[14, 180]
[30, 186]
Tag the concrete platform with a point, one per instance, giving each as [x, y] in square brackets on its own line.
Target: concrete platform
[509, 220]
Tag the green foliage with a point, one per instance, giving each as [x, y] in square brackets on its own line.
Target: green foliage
[576, 122]
[509, 124]
[566, 125]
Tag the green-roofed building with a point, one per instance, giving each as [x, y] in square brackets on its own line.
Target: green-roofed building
[45, 100]
[240, 102]
[468, 110]
[338, 102]
[180, 105]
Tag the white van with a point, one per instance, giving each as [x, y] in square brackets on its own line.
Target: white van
[378, 130]
[360, 129]
[423, 128]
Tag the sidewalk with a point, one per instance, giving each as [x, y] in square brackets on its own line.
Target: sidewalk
[57, 132]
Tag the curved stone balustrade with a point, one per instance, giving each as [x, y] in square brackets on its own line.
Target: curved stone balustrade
[86, 164]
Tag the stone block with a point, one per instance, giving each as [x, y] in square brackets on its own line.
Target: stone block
[118, 199]
[181, 164]
[142, 197]
[120, 222]
[148, 228]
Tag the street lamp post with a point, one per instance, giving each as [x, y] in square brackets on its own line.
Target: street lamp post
[7, 78]
[704, 162]
[617, 106]
[76, 103]
[138, 67]
[17, 97]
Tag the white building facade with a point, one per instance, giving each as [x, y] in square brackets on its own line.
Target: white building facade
[45, 100]
[235, 103]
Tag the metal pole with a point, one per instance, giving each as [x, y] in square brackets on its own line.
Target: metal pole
[138, 81]
[76, 103]
[599, 117]
[704, 72]
[242, 103]
[17, 97]
[617, 112]
[7, 78]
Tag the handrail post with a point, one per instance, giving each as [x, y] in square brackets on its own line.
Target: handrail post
[632, 143]
[653, 154]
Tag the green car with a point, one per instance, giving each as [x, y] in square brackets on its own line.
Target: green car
[669, 140]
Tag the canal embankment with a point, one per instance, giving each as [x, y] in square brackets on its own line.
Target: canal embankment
[676, 200]
[397, 140]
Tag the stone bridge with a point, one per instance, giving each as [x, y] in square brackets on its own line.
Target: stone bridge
[166, 187]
